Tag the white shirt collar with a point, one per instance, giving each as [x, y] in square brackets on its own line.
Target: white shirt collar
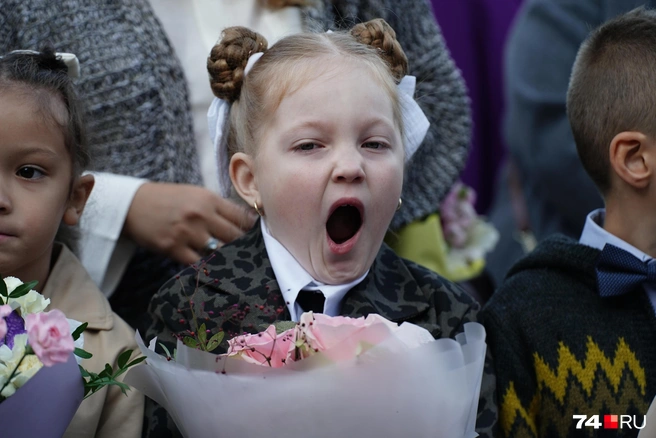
[596, 236]
[292, 278]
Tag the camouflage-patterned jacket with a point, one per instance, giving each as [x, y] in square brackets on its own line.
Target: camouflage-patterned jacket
[235, 290]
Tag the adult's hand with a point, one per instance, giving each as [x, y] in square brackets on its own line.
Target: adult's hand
[178, 219]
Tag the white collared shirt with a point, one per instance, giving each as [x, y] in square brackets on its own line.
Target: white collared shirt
[596, 236]
[292, 278]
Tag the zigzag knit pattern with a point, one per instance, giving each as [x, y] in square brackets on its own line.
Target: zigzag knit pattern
[562, 350]
[598, 384]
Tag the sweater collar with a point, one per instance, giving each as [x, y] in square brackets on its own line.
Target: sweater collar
[562, 253]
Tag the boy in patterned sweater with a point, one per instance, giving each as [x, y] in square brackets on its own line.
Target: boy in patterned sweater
[573, 328]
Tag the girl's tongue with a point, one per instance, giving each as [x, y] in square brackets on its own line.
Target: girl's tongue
[343, 224]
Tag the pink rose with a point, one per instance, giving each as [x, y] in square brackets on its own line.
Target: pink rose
[264, 348]
[49, 335]
[5, 310]
[340, 337]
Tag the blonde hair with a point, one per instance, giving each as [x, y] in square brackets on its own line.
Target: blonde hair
[290, 64]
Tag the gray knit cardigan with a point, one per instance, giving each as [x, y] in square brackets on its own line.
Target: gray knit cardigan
[138, 107]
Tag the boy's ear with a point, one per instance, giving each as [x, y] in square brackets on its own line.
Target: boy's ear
[633, 158]
[78, 199]
[242, 175]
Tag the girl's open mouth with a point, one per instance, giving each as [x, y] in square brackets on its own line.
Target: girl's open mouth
[343, 226]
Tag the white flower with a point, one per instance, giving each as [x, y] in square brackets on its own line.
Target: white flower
[9, 359]
[12, 283]
[9, 389]
[28, 368]
[31, 302]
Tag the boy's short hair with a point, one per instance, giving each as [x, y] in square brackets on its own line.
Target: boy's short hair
[613, 88]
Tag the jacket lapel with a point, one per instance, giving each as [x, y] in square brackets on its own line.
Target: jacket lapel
[242, 273]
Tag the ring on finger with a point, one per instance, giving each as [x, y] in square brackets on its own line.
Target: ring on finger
[211, 245]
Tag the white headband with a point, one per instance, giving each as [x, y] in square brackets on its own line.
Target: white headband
[415, 125]
[71, 61]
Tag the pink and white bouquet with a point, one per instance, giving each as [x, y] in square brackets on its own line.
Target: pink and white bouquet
[322, 377]
[40, 354]
[467, 234]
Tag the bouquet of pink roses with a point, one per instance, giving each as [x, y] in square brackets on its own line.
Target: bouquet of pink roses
[336, 376]
[39, 364]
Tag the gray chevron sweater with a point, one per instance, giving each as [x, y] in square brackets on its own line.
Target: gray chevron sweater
[562, 350]
[137, 100]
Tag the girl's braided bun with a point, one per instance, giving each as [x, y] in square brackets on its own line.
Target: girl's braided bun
[377, 33]
[228, 59]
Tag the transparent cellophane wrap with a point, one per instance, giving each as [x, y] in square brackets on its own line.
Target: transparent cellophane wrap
[400, 387]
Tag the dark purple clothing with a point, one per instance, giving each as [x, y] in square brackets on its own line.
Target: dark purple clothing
[475, 33]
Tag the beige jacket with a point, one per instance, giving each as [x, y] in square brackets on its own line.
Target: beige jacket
[108, 413]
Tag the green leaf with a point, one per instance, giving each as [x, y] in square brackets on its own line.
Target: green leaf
[282, 326]
[215, 340]
[202, 334]
[124, 388]
[211, 346]
[3, 289]
[190, 342]
[83, 354]
[123, 358]
[135, 362]
[78, 331]
[23, 289]
[84, 372]
[108, 369]
[166, 350]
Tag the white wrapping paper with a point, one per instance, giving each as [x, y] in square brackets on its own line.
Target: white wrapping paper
[398, 388]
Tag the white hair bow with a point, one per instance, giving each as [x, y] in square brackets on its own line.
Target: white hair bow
[71, 61]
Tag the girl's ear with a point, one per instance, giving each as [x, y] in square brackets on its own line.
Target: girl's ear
[242, 174]
[79, 195]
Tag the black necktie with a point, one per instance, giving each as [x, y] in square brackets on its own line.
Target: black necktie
[620, 272]
[311, 300]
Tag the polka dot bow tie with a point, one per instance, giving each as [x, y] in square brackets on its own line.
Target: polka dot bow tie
[620, 272]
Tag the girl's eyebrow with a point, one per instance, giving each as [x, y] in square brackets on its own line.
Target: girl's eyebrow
[36, 150]
[311, 123]
[321, 124]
